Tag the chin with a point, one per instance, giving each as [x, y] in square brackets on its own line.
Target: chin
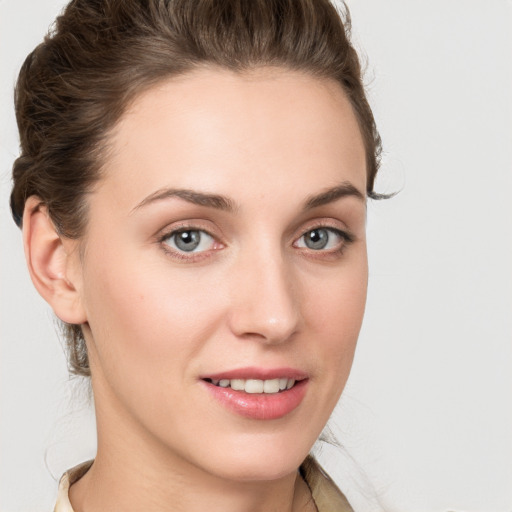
[261, 458]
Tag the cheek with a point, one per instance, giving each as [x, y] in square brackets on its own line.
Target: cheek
[337, 303]
[147, 317]
[335, 312]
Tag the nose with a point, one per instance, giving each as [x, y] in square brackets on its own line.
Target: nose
[264, 300]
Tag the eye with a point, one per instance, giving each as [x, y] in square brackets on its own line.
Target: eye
[322, 239]
[189, 240]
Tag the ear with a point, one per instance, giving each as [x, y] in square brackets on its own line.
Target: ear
[53, 263]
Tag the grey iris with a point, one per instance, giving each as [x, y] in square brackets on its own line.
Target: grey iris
[187, 240]
[316, 239]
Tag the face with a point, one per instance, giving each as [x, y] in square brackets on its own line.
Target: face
[225, 260]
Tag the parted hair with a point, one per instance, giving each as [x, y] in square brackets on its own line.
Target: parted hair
[100, 54]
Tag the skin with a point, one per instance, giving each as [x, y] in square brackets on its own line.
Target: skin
[157, 319]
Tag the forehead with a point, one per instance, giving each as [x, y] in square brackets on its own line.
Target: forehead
[214, 128]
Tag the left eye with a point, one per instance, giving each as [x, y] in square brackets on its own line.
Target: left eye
[190, 240]
[319, 239]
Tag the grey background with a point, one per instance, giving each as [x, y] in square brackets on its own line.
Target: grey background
[426, 419]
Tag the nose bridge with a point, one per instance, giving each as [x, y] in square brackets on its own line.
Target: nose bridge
[265, 303]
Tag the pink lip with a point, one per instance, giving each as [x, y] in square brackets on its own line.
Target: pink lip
[258, 373]
[259, 406]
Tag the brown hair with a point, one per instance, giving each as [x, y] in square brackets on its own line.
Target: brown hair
[75, 86]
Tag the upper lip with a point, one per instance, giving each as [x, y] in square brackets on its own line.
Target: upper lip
[258, 373]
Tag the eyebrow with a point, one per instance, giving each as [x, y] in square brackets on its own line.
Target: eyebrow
[346, 189]
[192, 196]
[220, 202]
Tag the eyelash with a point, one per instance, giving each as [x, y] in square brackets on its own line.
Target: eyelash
[183, 255]
[345, 237]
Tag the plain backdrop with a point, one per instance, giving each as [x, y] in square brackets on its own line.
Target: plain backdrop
[425, 422]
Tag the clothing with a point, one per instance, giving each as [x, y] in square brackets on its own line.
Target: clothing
[327, 497]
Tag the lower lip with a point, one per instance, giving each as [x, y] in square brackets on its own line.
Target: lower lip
[260, 406]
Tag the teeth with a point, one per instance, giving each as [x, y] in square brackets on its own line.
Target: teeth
[238, 384]
[253, 386]
[270, 386]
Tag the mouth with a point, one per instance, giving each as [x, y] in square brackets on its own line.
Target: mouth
[265, 395]
[254, 386]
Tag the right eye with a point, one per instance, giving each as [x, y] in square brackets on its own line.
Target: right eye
[324, 239]
[189, 241]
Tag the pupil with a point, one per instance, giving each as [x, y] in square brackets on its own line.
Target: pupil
[317, 239]
[188, 240]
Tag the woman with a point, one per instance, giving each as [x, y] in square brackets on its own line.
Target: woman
[192, 190]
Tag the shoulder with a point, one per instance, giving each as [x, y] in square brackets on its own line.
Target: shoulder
[326, 495]
[68, 479]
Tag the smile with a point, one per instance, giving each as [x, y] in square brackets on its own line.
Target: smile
[258, 394]
[253, 386]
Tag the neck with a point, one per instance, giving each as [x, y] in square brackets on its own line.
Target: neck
[127, 484]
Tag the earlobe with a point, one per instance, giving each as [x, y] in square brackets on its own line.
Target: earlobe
[51, 263]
